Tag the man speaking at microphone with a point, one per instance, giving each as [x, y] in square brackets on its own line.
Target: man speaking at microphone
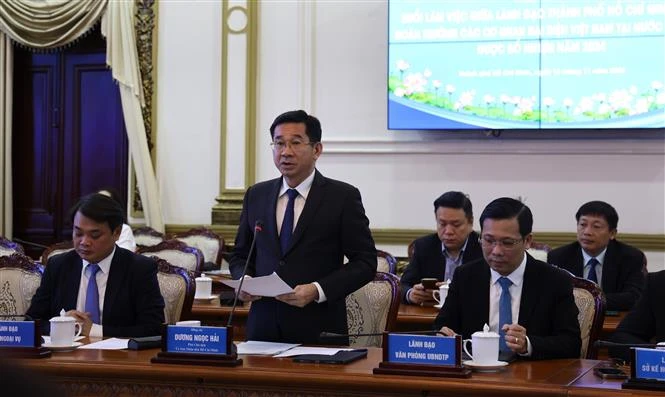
[310, 223]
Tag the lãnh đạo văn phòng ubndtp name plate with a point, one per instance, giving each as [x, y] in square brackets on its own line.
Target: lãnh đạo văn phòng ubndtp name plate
[20, 338]
[422, 355]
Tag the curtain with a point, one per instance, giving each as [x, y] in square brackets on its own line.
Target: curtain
[47, 24]
[6, 91]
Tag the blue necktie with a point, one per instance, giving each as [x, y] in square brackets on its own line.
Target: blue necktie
[505, 311]
[287, 224]
[592, 270]
[92, 293]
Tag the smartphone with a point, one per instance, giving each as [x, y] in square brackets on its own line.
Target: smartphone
[429, 283]
[610, 373]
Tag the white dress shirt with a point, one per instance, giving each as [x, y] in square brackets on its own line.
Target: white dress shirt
[102, 277]
[599, 268]
[283, 199]
[517, 278]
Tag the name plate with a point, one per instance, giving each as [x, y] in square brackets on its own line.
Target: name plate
[199, 340]
[422, 349]
[17, 333]
[649, 364]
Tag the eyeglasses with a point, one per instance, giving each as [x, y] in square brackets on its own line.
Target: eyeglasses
[294, 145]
[507, 243]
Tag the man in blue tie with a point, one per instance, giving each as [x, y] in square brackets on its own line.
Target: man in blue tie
[310, 224]
[527, 302]
[616, 267]
[111, 291]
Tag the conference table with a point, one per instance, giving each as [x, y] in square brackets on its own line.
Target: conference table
[130, 373]
[409, 317]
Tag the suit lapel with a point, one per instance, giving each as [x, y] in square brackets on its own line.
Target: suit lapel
[114, 282]
[314, 198]
[610, 268]
[271, 217]
[73, 281]
[530, 291]
[577, 261]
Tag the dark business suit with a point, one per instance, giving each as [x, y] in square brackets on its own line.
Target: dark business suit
[547, 307]
[645, 323]
[622, 278]
[428, 260]
[133, 304]
[332, 225]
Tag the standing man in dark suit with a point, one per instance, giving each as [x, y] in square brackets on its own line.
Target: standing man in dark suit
[437, 255]
[310, 224]
[597, 256]
[528, 302]
[645, 323]
[111, 291]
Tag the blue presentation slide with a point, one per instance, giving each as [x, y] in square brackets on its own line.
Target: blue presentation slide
[526, 64]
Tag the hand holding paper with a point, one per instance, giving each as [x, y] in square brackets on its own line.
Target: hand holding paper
[270, 286]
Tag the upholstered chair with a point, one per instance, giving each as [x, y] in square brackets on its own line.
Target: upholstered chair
[19, 279]
[176, 253]
[177, 287]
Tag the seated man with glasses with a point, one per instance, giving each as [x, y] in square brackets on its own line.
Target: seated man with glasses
[437, 255]
[527, 302]
[596, 255]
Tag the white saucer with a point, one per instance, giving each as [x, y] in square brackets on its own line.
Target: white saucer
[438, 306]
[219, 272]
[207, 298]
[62, 348]
[491, 367]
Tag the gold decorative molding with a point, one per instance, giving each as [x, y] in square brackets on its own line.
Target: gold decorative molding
[645, 242]
[146, 44]
[229, 201]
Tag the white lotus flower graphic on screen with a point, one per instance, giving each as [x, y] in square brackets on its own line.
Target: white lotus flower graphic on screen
[488, 99]
[641, 106]
[620, 99]
[402, 65]
[427, 73]
[586, 104]
[436, 83]
[632, 90]
[657, 85]
[466, 99]
[504, 98]
[660, 99]
[399, 92]
[547, 101]
[415, 82]
[599, 97]
[604, 108]
[568, 103]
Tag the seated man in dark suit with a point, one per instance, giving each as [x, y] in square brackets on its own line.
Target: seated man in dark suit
[528, 303]
[437, 255]
[597, 256]
[645, 323]
[111, 291]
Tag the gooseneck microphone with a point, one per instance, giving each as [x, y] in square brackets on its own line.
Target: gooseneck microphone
[258, 227]
[605, 343]
[329, 335]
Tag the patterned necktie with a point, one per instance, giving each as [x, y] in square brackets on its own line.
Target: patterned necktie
[92, 293]
[505, 311]
[593, 276]
[287, 224]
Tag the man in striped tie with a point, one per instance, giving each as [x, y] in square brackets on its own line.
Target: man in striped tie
[109, 290]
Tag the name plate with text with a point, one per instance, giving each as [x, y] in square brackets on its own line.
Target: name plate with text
[649, 364]
[422, 349]
[199, 340]
[17, 333]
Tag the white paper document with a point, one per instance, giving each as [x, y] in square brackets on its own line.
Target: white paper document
[107, 344]
[296, 351]
[256, 347]
[47, 339]
[270, 286]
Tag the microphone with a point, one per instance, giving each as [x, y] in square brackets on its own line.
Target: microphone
[258, 227]
[606, 343]
[24, 242]
[330, 335]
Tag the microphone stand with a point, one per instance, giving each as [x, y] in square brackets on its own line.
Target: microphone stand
[258, 226]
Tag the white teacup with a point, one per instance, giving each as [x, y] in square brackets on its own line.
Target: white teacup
[485, 346]
[203, 287]
[440, 294]
[64, 329]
